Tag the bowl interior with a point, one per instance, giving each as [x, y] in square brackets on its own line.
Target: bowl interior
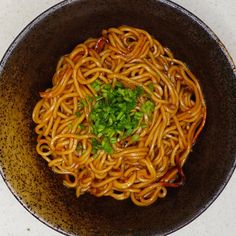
[28, 67]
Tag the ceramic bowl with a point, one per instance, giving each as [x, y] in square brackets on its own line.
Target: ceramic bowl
[27, 68]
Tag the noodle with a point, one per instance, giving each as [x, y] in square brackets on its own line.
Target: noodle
[165, 113]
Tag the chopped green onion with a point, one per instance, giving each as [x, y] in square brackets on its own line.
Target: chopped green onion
[77, 114]
[114, 115]
[147, 107]
[135, 138]
[151, 87]
[81, 126]
[95, 155]
[113, 140]
[138, 115]
[96, 85]
[143, 125]
[82, 103]
[106, 145]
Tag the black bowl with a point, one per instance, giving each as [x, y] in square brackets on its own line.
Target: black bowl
[27, 68]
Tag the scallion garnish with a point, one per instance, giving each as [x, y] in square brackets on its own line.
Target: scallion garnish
[114, 115]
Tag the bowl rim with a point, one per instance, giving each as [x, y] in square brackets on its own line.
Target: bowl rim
[169, 3]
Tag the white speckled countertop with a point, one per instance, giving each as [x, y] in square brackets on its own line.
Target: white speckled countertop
[220, 217]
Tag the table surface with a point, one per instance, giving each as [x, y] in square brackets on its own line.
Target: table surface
[220, 217]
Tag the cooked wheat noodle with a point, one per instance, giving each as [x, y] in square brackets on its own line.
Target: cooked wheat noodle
[142, 170]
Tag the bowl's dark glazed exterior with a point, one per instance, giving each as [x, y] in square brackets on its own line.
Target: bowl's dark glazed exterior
[27, 68]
